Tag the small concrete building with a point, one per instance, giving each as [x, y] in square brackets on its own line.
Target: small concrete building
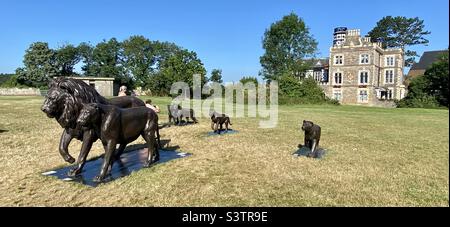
[103, 85]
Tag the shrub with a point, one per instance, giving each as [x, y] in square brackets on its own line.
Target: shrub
[12, 82]
[424, 101]
[301, 91]
[429, 90]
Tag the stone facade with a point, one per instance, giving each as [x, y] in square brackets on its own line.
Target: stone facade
[361, 72]
[103, 85]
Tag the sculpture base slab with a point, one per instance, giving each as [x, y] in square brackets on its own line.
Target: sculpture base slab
[304, 151]
[183, 123]
[129, 162]
[222, 132]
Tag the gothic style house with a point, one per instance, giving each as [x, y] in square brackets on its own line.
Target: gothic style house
[319, 70]
[360, 71]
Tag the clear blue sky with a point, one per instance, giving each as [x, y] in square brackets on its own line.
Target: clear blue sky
[225, 34]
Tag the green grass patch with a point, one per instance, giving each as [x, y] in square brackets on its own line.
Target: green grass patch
[376, 157]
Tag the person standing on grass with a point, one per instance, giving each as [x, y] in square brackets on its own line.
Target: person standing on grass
[122, 91]
[148, 104]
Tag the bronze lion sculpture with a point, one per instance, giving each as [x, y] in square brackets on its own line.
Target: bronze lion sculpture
[177, 113]
[218, 119]
[312, 137]
[64, 101]
[120, 126]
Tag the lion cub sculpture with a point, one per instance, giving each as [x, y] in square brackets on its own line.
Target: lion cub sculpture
[177, 113]
[121, 126]
[219, 119]
[312, 137]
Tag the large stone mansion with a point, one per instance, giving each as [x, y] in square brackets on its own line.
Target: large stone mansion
[360, 71]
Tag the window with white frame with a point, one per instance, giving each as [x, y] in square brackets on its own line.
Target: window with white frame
[363, 77]
[363, 96]
[318, 76]
[364, 59]
[337, 94]
[389, 94]
[338, 60]
[337, 78]
[390, 61]
[389, 76]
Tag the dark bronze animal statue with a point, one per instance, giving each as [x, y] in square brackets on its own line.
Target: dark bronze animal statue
[187, 113]
[120, 126]
[312, 136]
[173, 114]
[219, 119]
[64, 101]
[177, 113]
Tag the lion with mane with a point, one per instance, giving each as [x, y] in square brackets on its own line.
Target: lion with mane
[64, 101]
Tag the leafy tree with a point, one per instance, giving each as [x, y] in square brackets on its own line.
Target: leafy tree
[85, 51]
[159, 84]
[251, 80]
[216, 76]
[66, 57]
[286, 43]
[246, 79]
[431, 89]
[39, 62]
[438, 78]
[418, 86]
[135, 61]
[107, 60]
[5, 77]
[418, 96]
[157, 65]
[177, 68]
[9, 81]
[182, 66]
[139, 57]
[163, 51]
[293, 90]
[289, 86]
[12, 82]
[401, 32]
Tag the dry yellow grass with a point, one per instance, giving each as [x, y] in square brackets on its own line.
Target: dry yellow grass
[376, 157]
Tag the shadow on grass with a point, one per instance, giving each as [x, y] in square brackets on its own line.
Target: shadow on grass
[305, 151]
[2, 131]
[129, 162]
[222, 132]
[165, 145]
[182, 123]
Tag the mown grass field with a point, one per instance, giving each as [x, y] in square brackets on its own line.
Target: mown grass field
[376, 157]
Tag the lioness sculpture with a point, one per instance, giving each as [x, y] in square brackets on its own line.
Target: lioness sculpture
[312, 136]
[218, 119]
[120, 126]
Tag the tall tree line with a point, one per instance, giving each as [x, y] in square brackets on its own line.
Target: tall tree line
[135, 62]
